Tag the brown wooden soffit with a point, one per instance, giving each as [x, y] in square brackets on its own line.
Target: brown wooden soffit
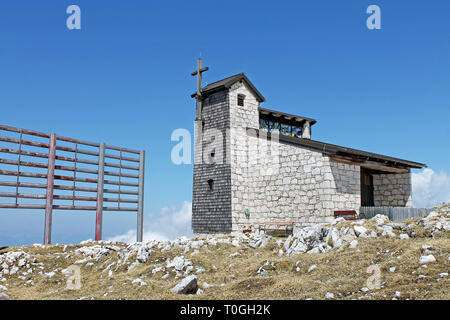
[282, 117]
[337, 153]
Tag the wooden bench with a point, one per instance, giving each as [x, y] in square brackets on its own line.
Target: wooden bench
[346, 214]
[279, 228]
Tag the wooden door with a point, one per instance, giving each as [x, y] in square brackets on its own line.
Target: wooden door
[366, 189]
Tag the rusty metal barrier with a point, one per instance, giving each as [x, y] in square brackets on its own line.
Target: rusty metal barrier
[125, 189]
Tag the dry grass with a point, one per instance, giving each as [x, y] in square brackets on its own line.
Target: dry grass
[340, 271]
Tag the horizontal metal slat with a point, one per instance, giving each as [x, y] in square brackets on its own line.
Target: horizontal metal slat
[24, 131]
[121, 200]
[125, 175]
[121, 183]
[119, 209]
[23, 174]
[21, 206]
[72, 188]
[25, 142]
[121, 191]
[62, 207]
[24, 163]
[116, 165]
[87, 143]
[22, 195]
[69, 159]
[83, 151]
[122, 149]
[24, 153]
[113, 156]
[67, 178]
[65, 168]
[23, 184]
[76, 198]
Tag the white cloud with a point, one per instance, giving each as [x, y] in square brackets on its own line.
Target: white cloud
[171, 223]
[430, 188]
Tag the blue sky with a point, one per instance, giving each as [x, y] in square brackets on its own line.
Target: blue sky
[124, 79]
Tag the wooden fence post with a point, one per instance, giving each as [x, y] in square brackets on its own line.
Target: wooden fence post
[50, 188]
[140, 214]
[100, 184]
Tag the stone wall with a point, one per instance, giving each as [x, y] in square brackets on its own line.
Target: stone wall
[278, 181]
[392, 190]
[273, 180]
[211, 210]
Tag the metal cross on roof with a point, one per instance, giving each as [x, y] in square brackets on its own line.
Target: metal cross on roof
[198, 73]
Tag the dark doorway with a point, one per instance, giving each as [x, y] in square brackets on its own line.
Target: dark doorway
[366, 188]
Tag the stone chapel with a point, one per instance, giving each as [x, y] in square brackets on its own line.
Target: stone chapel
[254, 165]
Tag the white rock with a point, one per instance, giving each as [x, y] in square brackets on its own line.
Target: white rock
[335, 239]
[353, 244]
[427, 259]
[311, 268]
[22, 262]
[380, 219]
[261, 272]
[3, 288]
[13, 270]
[200, 269]
[392, 269]
[397, 294]
[139, 281]
[178, 263]
[186, 286]
[132, 266]
[329, 295]
[4, 296]
[143, 254]
[80, 261]
[235, 242]
[360, 231]
[337, 221]
[206, 285]
[188, 270]
[29, 283]
[155, 270]
[197, 244]
[404, 236]
[426, 249]
[388, 231]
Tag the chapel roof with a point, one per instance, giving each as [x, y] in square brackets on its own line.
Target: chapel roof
[355, 155]
[227, 83]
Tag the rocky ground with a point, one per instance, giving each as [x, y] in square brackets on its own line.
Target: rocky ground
[362, 259]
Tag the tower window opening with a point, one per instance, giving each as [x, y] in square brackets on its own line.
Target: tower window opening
[241, 99]
[211, 185]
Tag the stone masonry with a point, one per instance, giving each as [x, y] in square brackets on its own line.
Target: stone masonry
[272, 180]
[392, 190]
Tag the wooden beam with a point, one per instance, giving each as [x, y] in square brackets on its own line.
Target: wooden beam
[201, 70]
[370, 165]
